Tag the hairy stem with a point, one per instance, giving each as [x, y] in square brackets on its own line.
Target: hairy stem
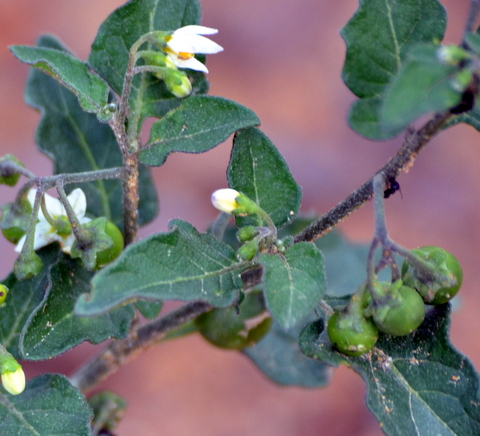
[141, 336]
[414, 142]
[472, 17]
[130, 198]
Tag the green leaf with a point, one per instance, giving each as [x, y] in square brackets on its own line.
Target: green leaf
[471, 118]
[54, 328]
[90, 89]
[149, 309]
[279, 357]
[180, 265]
[77, 141]
[473, 42]
[259, 171]
[416, 384]
[108, 409]
[424, 84]
[50, 405]
[117, 34]
[364, 118]
[23, 298]
[197, 125]
[293, 283]
[345, 263]
[378, 38]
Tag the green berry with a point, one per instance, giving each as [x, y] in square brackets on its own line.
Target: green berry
[445, 263]
[350, 334]
[3, 293]
[225, 328]
[110, 254]
[402, 312]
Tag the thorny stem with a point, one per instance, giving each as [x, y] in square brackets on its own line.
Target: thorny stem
[117, 353]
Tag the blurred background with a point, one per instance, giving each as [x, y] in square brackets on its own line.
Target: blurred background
[282, 59]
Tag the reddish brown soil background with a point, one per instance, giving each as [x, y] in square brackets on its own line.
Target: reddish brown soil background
[283, 60]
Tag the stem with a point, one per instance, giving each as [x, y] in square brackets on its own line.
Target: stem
[130, 198]
[472, 17]
[414, 142]
[10, 166]
[219, 225]
[29, 243]
[140, 337]
[78, 231]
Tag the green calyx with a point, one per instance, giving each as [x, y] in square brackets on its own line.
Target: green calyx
[246, 206]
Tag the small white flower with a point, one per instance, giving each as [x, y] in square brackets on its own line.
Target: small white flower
[225, 200]
[45, 233]
[14, 382]
[186, 41]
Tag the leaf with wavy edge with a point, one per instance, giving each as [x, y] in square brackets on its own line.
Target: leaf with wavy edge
[416, 384]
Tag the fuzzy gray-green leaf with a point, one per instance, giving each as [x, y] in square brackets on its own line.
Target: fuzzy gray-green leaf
[179, 265]
[197, 125]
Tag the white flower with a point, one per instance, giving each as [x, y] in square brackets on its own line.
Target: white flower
[225, 200]
[186, 41]
[14, 382]
[45, 233]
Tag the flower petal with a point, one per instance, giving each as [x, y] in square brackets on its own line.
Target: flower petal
[192, 64]
[194, 29]
[78, 200]
[193, 44]
[54, 207]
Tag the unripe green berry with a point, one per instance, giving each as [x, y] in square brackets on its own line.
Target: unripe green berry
[401, 312]
[445, 264]
[3, 293]
[110, 254]
[350, 334]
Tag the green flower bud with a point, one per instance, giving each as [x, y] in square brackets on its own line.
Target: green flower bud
[452, 54]
[14, 382]
[7, 175]
[246, 233]
[27, 265]
[178, 83]
[248, 250]
[15, 220]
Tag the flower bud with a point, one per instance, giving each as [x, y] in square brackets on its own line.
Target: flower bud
[246, 233]
[178, 84]
[14, 381]
[452, 54]
[8, 176]
[225, 200]
[248, 250]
